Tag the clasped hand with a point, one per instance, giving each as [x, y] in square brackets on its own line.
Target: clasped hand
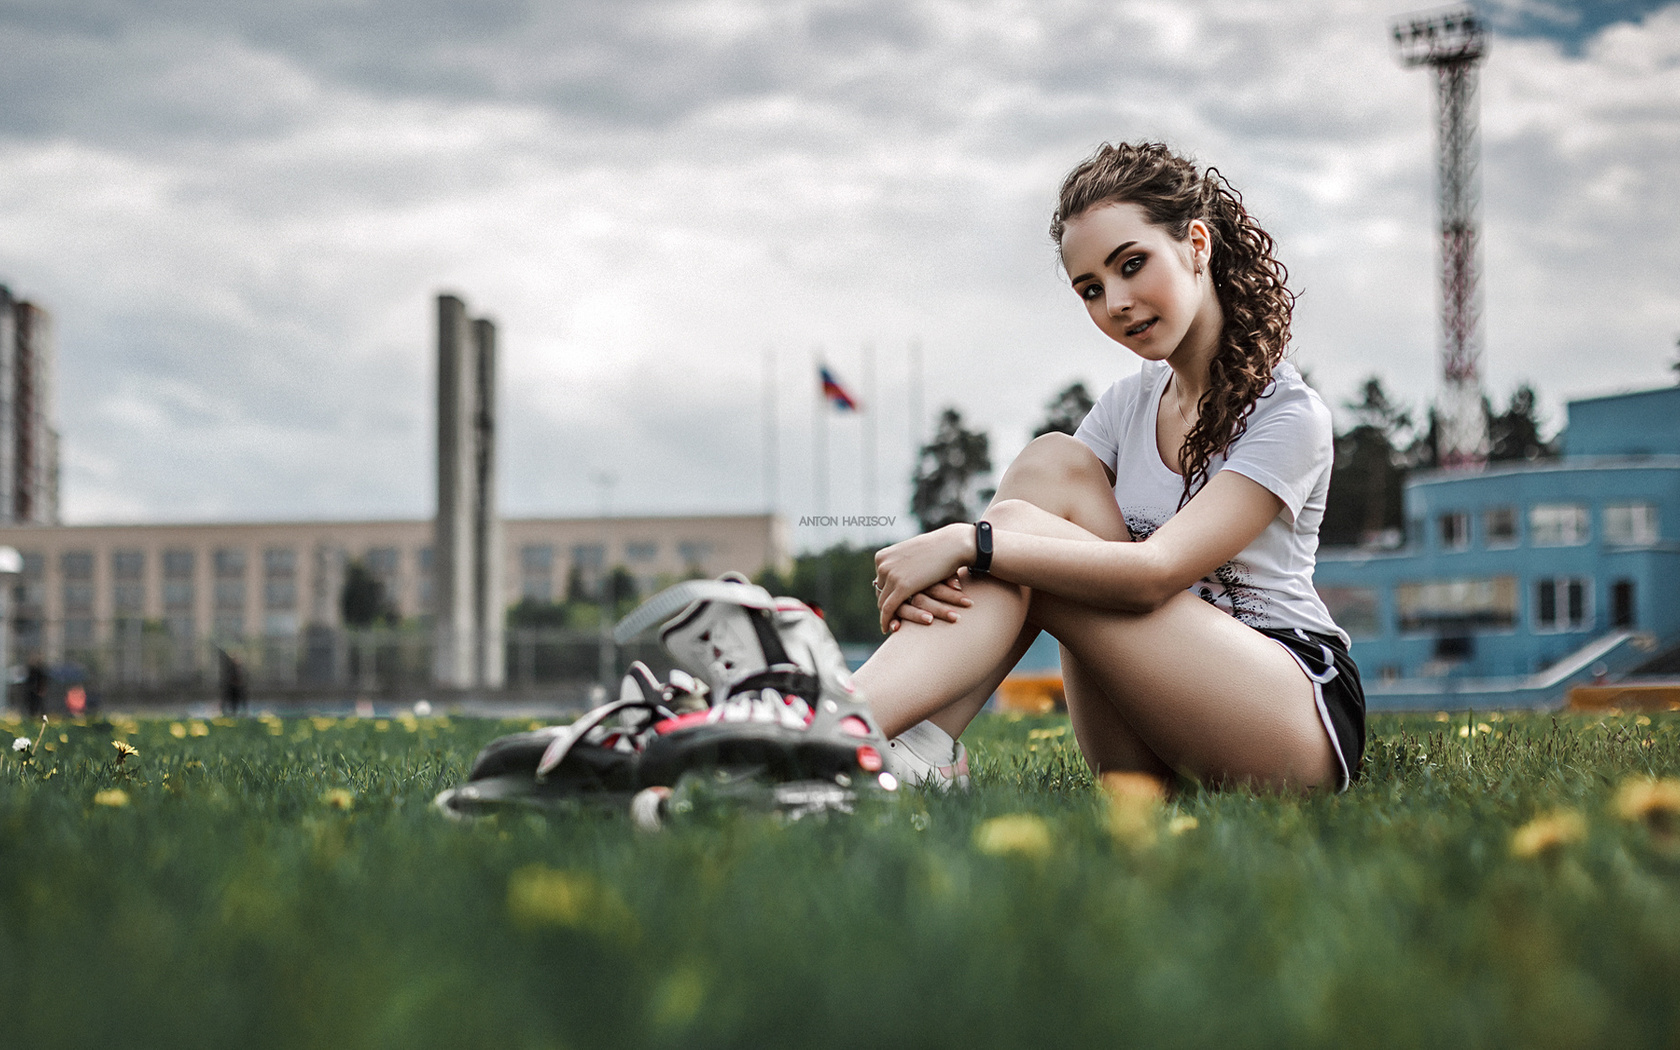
[921, 579]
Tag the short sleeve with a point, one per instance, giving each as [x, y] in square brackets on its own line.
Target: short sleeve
[1100, 430]
[1288, 445]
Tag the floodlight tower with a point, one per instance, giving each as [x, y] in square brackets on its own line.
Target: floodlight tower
[1453, 43]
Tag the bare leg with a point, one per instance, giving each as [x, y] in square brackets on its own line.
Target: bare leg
[945, 672]
[1195, 688]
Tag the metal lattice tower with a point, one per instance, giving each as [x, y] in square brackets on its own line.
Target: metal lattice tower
[1453, 43]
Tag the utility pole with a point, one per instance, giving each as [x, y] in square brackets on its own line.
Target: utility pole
[1453, 43]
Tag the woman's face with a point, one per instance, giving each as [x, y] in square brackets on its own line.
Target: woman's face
[1140, 284]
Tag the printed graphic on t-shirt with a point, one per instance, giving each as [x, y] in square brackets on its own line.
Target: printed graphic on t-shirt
[1142, 522]
[1230, 589]
[1231, 586]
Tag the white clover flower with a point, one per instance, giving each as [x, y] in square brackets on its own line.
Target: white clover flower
[20, 744]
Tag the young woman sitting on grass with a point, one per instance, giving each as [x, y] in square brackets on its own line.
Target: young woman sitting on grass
[1168, 546]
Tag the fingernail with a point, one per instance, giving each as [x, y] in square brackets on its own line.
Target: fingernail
[953, 617]
[927, 617]
[967, 602]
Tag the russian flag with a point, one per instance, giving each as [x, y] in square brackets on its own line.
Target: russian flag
[835, 393]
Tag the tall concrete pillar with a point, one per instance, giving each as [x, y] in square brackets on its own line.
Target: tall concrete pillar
[467, 561]
[452, 539]
[490, 613]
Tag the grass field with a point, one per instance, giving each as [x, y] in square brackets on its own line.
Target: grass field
[1493, 882]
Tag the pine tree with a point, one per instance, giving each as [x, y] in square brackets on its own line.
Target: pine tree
[947, 471]
[1066, 411]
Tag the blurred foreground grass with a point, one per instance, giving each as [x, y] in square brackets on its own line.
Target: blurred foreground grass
[1492, 882]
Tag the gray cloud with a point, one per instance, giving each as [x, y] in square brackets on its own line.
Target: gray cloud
[240, 212]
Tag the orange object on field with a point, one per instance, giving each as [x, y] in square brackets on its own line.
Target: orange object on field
[75, 701]
[1626, 696]
[1032, 694]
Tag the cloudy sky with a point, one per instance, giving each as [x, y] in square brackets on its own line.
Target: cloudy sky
[239, 214]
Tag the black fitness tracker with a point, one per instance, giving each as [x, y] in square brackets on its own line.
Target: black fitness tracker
[982, 547]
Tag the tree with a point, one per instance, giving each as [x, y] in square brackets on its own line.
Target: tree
[1066, 411]
[947, 471]
[1515, 433]
[1366, 481]
[363, 600]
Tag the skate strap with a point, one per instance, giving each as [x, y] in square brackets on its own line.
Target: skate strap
[563, 741]
[674, 599]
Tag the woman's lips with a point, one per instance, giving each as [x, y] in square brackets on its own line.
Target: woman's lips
[1139, 329]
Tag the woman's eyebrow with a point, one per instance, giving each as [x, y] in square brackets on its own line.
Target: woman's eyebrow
[1106, 262]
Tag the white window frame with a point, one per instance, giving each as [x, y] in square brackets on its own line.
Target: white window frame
[1497, 543]
[1542, 534]
[1560, 605]
[1643, 527]
[1460, 528]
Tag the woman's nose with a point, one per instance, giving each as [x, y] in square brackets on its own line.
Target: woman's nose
[1119, 301]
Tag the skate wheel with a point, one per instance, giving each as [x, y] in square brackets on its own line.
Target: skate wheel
[647, 809]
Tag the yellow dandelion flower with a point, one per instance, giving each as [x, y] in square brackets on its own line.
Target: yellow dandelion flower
[197, 729]
[1134, 802]
[177, 730]
[543, 896]
[1021, 834]
[1180, 824]
[1653, 802]
[125, 750]
[1642, 720]
[380, 725]
[1545, 835]
[114, 797]
[339, 798]
[322, 723]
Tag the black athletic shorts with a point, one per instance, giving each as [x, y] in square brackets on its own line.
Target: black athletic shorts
[1336, 688]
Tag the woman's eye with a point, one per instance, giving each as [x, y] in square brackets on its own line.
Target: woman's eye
[1132, 265]
[1090, 291]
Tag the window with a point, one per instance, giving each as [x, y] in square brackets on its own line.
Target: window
[280, 624]
[589, 556]
[1454, 530]
[178, 565]
[279, 562]
[424, 557]
[230, 563]
[230, 595]
[1500, 524]
[1557, 524]
[128, 565]
[128, 598]
[177, 595]
[1354, 609]
[279, 594]
[229, 625]
[382, 561]
[1623, 613]
[1487, 603]
[78, 598]
[1630, 524]
[1562, 603]
[536, 577]
[78, 633]
[693, 552]
[76, 565]
[641, 551]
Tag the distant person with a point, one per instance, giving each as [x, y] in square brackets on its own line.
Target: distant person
[1169, 545]
[35, 679]
[233, 684]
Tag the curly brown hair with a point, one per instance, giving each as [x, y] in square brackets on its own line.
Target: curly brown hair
[1247, 277]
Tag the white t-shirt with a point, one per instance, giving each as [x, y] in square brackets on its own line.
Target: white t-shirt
[1287, 448]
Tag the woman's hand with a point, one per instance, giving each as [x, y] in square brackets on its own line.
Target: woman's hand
[921, 578]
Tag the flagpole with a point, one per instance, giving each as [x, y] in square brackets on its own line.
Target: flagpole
[772, 465]
[819, 445]
[868, 410]
[914, 389]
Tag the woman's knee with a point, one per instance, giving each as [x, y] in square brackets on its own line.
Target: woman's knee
[1051, 464]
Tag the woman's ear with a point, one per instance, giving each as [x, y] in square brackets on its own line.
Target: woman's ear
[1201, 245]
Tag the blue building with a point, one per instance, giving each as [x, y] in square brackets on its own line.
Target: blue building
[1518, 581]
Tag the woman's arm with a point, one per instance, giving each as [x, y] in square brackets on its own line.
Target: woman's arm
[1223, 518]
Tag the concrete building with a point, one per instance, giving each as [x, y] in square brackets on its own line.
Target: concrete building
[28, 436]
[1518, 581]
[83, 586]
